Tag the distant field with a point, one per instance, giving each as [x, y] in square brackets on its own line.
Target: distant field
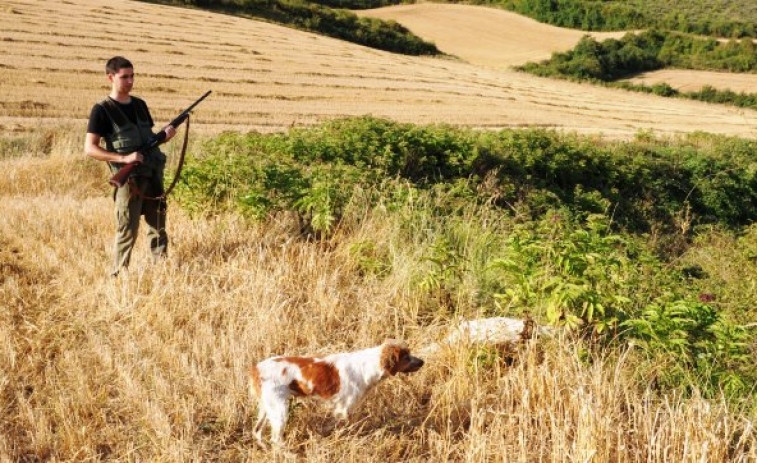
[499, 39]
[485, 36]
[685, 80]
[268, 78]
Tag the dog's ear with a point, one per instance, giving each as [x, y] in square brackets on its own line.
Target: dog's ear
[391, 353]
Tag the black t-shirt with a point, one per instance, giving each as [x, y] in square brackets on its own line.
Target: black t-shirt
[100, 124]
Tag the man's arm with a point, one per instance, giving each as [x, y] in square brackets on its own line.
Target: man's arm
[93, 149]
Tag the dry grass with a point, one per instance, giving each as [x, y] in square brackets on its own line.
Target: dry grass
[151, 367]
[267, 77]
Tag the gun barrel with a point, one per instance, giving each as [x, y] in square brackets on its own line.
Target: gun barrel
[184, 114]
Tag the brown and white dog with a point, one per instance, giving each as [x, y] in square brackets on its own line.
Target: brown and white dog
[340, 379]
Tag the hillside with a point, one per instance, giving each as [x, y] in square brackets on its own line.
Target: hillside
[496, 38]
[686, 80]
[721, 18]
[321, 236]
[268, 78]
[486, 36]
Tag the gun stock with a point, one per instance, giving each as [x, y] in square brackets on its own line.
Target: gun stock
[120, 178]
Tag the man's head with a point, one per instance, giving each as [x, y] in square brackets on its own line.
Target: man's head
[117, 63]
[120, 73]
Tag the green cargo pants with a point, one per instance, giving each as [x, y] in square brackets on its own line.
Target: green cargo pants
[129, 207]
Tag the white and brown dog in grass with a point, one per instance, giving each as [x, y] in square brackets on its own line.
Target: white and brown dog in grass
[341, 379]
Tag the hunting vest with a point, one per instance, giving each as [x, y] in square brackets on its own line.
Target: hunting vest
[127, 137]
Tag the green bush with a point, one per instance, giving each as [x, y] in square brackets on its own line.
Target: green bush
[580, 275]
[722, 18]
[315, 171]
[690, 343]
[613, 59]
[610, 60]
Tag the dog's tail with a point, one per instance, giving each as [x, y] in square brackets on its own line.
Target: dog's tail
[255, 383]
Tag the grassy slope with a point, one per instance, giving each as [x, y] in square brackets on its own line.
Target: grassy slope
[696, 11]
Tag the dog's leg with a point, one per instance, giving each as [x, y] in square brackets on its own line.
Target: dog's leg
[258, 429]
[341, 414]
[276, 404]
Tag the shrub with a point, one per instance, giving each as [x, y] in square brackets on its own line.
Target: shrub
[312, 170]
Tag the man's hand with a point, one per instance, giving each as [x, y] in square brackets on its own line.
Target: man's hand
[136, 156]
[170, 131]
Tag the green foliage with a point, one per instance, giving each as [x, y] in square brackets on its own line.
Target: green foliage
[613, 59]
[578, 14]
[370, 259]
[723, 18]
[521, 221]
[316, 171]
[447, 265]
[610, 60]
[320, 18]
[693, 344]
[578, 275]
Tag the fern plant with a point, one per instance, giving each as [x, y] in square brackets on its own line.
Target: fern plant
[694, 343]
[577, 275]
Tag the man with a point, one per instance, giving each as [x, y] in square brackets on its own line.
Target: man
[125, 123]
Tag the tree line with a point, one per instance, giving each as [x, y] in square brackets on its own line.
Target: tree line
[725, 18]
[328, 18]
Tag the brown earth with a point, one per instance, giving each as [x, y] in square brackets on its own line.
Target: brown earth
[267, 77]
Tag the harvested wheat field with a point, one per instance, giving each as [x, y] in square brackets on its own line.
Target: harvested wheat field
[490, 37]
[268, 78]
[685, 80]
[496, 38]
[151, 366]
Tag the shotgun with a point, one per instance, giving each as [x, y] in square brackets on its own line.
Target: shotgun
[119, 178]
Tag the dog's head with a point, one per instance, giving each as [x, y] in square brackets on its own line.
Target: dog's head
[396, 358]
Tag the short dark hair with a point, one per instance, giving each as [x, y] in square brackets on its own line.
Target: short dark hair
[117, 63]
